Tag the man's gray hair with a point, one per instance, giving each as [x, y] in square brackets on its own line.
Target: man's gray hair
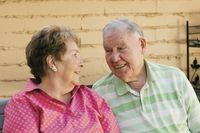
[129, 25]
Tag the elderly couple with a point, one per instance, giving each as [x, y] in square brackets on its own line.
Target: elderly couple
[138, 96]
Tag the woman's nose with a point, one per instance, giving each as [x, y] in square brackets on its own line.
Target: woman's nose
[81, 62]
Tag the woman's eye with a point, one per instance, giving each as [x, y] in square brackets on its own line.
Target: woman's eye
[76, 54]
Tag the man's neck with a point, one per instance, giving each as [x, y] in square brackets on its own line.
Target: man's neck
[139, 81]
[137, 85]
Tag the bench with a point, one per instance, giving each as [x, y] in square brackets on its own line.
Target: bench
[3, 103]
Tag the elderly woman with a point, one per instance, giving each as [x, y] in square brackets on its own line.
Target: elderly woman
[54, 101]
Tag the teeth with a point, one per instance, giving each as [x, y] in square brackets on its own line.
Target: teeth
[119, 66]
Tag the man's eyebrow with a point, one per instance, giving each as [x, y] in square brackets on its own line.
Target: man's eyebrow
[76, 50]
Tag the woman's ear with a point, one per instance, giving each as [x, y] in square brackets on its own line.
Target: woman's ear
[50, 60]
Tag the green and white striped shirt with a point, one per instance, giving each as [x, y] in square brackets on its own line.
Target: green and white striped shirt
[167, 102]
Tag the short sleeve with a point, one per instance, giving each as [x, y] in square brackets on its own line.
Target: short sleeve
[192, 105]
[20, 116]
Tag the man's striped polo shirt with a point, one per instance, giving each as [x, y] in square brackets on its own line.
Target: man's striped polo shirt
[167, 102]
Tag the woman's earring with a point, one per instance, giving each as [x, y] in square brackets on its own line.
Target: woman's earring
[54, 68]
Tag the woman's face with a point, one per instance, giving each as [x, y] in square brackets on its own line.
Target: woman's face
[69, 67]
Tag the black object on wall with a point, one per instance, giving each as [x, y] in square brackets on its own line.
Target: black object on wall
[193, 41]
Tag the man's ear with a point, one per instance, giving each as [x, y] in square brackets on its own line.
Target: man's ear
[143, 44]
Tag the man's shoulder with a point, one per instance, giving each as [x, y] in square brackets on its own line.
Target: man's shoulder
[161, 71]
[104, 85]
[106, 80]
[162, 67]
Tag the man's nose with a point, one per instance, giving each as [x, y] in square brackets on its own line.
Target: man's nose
[115, 57]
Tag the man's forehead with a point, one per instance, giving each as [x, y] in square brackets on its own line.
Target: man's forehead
[115, 28]
[115, 32]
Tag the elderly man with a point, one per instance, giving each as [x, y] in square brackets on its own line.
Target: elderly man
[144, 96]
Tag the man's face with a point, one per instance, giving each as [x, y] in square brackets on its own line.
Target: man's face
[124, 53]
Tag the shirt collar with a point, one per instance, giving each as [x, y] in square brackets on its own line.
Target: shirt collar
[120, 86]
[31, 86]
[75, 90]
[150, 72]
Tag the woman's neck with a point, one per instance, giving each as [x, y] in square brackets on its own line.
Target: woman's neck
[56, 89]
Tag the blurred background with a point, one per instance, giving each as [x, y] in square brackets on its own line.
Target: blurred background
[163, 22]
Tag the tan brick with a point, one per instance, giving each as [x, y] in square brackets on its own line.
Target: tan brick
[91, 79]
[11, 25]
[13, 9]
[94, 64]
[182, 51]
[94, 22]
[98, 22]
[194, 50]
[177, 60]
[178, 6]
[163, 49]
[149, 34]
[10, 88]
[77, 8]
[138, 6]
[167, 34]
[12, 56]
[164, 59]
[36, 24]
[14, 73]
[182, 48]
[181, 33]
[193, 18]
[14, 40]
[91, 37]
[159, 20]
[52, 7]
[172, 62]
[93, 52]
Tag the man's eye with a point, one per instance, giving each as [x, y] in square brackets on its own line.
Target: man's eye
[122, 49]
[107, 50]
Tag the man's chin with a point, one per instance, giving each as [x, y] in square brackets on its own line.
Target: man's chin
[122, 77]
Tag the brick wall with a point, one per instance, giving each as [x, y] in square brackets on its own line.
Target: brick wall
[163, 22]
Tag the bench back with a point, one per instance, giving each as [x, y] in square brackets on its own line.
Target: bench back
[3, 103]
